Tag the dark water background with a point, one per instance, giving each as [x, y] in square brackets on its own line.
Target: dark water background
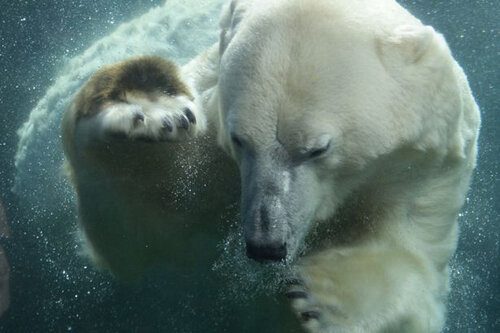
[52, 289]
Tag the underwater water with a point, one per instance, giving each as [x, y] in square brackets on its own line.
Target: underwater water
[48, 49]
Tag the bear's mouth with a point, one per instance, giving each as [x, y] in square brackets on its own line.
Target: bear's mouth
[267, 253]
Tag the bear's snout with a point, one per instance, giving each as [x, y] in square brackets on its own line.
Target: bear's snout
[272, 251]
[265, 232]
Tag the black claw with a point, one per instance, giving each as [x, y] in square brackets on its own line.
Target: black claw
[138, 116]
[292, 294]
[190, 115]
[166, 124]
[184, 122]
[308, 315]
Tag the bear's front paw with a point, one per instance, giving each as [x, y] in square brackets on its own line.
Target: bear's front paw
[141, 99]
[164, 119]
[303, 304]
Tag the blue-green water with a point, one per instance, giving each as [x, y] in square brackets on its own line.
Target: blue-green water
[54, 289]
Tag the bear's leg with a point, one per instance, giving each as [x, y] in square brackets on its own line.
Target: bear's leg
[371, 288]
[138, 154]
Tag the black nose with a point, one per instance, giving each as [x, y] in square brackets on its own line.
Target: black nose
[263, 252]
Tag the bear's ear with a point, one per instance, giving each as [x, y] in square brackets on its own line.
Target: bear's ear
[231, 16]
[407, 44]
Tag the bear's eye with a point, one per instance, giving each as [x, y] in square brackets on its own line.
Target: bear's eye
[236, 141]
[317, 152]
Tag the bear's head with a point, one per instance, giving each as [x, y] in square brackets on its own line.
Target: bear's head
[311, 98]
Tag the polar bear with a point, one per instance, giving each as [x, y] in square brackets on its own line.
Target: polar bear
[354, 131]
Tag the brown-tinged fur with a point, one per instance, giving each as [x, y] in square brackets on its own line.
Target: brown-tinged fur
[150, 75]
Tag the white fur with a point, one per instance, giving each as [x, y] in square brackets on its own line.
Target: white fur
[403, 128]
[120, 118]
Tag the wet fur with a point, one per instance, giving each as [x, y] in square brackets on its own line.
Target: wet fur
[148, 75]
